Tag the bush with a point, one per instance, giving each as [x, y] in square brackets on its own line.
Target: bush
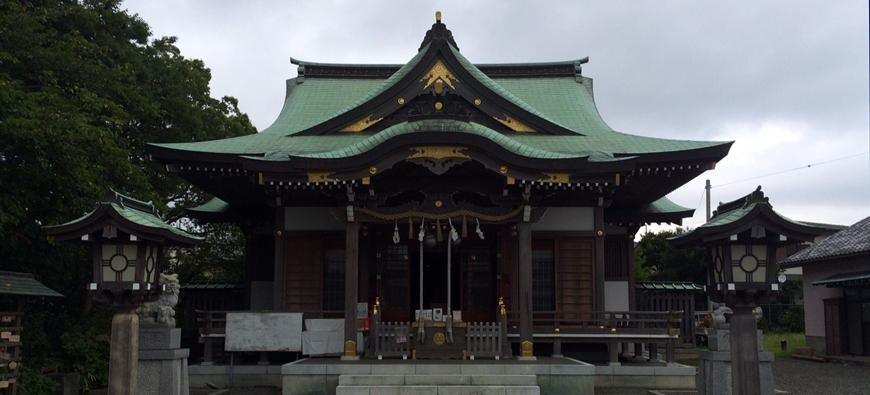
[33, 382]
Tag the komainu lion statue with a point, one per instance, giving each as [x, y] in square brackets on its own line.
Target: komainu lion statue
[162, 311]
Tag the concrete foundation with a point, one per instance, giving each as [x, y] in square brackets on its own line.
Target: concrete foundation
[162, 363]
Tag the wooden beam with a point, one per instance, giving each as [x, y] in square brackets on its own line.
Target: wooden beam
[524, 245]
[279, 282]
[351, 283]
[598, 267]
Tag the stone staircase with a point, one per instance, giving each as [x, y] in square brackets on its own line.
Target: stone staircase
[438, 384]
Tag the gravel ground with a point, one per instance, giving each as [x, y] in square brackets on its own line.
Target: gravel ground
[800, 377]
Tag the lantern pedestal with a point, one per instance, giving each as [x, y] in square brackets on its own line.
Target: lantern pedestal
[124, 354]
[714, 366]
[162, 362]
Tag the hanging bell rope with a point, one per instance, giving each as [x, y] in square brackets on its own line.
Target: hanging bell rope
[454, 235]
[396, 238]
[478, 230]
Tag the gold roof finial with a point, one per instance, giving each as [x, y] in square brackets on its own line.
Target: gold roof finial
[438, 16]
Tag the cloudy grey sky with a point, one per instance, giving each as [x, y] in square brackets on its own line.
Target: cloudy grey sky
[788, 80]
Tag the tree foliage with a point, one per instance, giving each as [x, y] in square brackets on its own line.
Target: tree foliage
[83, 87]
[657, 260]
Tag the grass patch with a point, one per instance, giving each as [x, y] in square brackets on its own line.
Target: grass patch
[794, 341]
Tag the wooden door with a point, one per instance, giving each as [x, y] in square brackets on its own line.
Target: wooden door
[394, 274]
[478, 285]
[835, 327]
[574, 277]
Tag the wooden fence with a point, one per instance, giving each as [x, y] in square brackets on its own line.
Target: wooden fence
[391, 339]
[484, 339]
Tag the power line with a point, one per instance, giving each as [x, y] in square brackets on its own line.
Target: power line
[792, 169]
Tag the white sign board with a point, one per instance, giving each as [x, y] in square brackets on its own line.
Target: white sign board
[264, 332]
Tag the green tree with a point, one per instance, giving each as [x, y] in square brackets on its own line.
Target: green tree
[83, 87]
[657, 260]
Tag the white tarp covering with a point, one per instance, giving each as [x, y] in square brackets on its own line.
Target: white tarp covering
[264, 332]
[323, 337]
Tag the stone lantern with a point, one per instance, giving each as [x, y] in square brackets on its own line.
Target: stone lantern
[128, 240]
[741, 240]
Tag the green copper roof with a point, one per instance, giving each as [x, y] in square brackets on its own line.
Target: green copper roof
[859, 279]
[495, 87]
[213, 205]
[363, 143]
[136, 212]
[15, 283]
[565, 100]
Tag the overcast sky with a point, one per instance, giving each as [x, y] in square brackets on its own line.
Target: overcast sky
[787, 80]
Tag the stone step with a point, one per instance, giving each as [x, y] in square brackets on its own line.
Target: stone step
[437, 390]
[440, 379]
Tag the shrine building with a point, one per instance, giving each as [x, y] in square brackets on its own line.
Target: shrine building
[440, 194]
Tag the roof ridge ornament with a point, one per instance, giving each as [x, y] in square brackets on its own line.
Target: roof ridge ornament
[438, 32]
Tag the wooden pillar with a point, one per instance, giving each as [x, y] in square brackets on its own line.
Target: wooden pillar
[351, 288]
[632, 290]
[598, 286]
[524, 245]
[279, 282]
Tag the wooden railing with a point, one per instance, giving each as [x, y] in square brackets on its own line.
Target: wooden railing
[212, 328]
[658, 322]
[484, 339]
[614, 328]
[391, 339]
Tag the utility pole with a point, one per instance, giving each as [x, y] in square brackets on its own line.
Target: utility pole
[707, 188]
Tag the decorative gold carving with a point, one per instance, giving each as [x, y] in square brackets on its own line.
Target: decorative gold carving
[477, 101]
[599, 232]
[366, 180]
[361, 125]
[320, 176]
[377, 309]
[527, 349]
[439, 204]
[556, 178]
[439, 152]
[439, 72]
[502, 310]
[514, 125]
[438, 16]
[373, 170]
[401, 101]
[511, 180]
[350, 348]
[439, 338]
[438, 106]
[503, 169]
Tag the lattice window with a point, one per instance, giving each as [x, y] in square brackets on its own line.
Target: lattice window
[119, 262]
[543, 276]
[333, 280]
[749, 263]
